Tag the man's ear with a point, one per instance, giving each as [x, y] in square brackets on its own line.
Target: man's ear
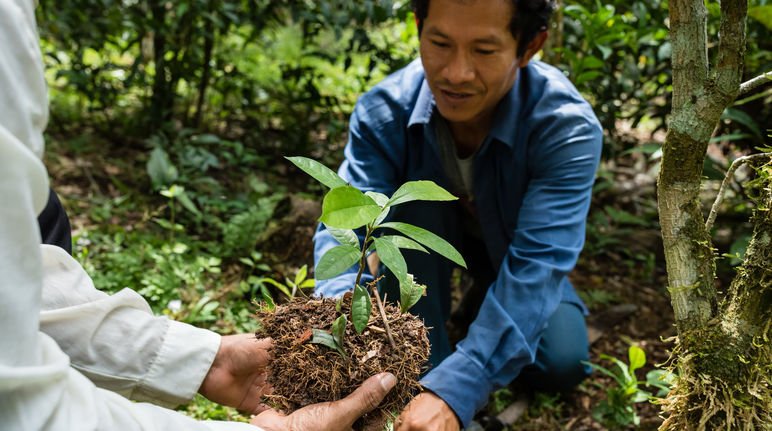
[533, 47]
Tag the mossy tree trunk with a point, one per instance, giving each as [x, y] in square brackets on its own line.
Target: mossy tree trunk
[722, 349]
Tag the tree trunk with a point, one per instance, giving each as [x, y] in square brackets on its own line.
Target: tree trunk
[722, 350]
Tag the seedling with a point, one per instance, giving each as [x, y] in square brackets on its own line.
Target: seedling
[346, 208]
[617, 410]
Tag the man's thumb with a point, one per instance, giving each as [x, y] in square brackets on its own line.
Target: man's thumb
[367, 396]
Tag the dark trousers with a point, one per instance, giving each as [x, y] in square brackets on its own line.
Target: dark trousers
[564, 343]
[54, 224]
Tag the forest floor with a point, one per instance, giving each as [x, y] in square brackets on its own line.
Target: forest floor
[620, 275]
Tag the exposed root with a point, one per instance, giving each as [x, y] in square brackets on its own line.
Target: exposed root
[303, 373]
[700, 402]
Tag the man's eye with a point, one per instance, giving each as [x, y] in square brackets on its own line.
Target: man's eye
[440, 44]
[485, 51]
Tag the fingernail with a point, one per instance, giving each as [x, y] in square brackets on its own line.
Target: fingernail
[388, 381]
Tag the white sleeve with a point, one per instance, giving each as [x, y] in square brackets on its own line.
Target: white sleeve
[38, 388]
[116, 341]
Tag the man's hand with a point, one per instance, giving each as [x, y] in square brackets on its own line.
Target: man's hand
[427, 412]
[237, 376]
[335, 416]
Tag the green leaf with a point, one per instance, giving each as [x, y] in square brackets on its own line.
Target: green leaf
[183, 198]
[379, 198]
[160, 169]
[344, 236]
[301, 275]
[742, 118]
[592, 62]
[339, 329]
[762, 14]
[587, 76]
[419, 191]
[336, 260]
[321, 173]
[382, 216]
[338, 304]
[266, 296]
[412, 294]
[428, 239]
[392, 258]
[361, 305]
[637, 358]
[403, 242]
[325, 338]
[348, 208]
[277, 285]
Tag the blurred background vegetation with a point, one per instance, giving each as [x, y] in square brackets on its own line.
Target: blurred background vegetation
[169, 121]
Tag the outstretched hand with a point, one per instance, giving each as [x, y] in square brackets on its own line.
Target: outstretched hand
[335, 416]
[237, 377]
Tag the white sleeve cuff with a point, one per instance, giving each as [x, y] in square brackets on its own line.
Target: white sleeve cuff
[179, 368]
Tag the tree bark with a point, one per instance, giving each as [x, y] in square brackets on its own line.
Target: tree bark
[722, 350]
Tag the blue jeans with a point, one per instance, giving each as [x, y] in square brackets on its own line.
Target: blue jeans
[564, 343]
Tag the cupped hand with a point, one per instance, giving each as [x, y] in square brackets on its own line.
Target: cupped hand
[427, 412]
[237, 377]
[333, 416]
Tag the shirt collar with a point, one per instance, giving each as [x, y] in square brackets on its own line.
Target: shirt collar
[424, 106]
[504, 120]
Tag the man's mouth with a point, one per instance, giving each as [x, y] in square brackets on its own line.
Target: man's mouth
[453, 95]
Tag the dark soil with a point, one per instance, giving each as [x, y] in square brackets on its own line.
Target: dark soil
[326, 375]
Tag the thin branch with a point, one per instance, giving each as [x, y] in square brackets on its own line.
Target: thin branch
[374, 290]
[727, 179]
[748, 86]
[731, 49]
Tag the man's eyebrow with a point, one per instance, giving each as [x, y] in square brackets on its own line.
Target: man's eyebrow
[490, 40]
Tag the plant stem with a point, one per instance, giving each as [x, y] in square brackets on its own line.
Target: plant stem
[363, 259]
[374, 290]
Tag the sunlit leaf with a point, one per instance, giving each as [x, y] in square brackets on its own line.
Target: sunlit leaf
[301, 275]
[336, 260]
[361, 305]
[419, 191]
[321, 173]
[348, 208]
[379, 198]
[339, 329]
[412, 294]
[637, 358]
[427, 239]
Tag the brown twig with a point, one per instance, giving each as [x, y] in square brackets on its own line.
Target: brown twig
[374, 291]
[727, 179]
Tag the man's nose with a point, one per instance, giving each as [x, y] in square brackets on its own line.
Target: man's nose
[459, 68]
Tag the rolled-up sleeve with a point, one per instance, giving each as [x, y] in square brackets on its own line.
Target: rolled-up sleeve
[546, 244]
[116, 341]
[39, 390]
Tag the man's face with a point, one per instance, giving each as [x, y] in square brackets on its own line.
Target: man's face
[469, 56]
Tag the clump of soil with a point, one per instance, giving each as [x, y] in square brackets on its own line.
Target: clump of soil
[303, 373]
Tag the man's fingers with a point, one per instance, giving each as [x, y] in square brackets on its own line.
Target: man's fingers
[365, 398]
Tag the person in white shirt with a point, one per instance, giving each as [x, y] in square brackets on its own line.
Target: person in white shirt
[71, 356]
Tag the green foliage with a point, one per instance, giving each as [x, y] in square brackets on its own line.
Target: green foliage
[291, 65]
[333, 339]
[345, 208]
[617, 410]
[360, 308]
[618, 55]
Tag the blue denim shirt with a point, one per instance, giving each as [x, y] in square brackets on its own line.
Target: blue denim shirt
[533, 176]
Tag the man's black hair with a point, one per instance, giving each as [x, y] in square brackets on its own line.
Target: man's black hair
[531, 17]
